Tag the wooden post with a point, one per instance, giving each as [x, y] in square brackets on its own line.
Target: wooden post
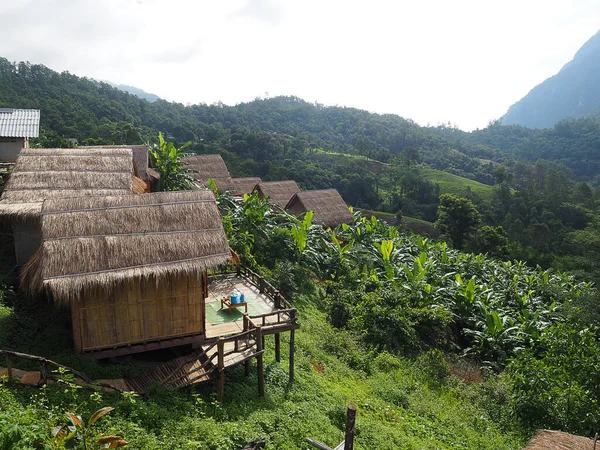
[292, 355]
[350, 423]
[277, 347]
[221, 370]
[43, 373]
[259, 363]
[9, 368]
[261, 284]
[238, 269]
[277, 299]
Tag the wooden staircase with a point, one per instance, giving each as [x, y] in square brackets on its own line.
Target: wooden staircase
[204, 364]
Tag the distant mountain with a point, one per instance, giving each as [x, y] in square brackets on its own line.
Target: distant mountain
[136, 91]
[573, 92]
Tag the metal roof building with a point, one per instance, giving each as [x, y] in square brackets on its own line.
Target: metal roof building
[23, 123]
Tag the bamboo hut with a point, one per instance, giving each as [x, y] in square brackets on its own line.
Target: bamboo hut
[210, 166]
[557, 440]
[277, 193]
[245, 185]
[140, 158]
[132, 267]
[327, 205]
[40, 174]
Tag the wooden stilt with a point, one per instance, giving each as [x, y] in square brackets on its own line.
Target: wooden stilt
[221, 370]
[259, 363]
[277, 347]
[292, 355]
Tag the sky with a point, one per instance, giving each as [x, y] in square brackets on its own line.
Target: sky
[432, 61]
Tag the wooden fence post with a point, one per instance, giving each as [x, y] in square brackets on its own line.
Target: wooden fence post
[9, 368]
[292, 355]
[350, 425]
[261, 284]
[277, 347]
[259, 362]
[43, 373]
[277, 297]
[221, 370]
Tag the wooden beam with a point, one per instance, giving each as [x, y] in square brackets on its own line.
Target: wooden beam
[292, 332]
[277, 347]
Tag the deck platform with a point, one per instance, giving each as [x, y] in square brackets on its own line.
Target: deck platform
[218, 320]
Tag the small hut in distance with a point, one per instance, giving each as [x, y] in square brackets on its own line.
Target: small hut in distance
[132, 267]
[277, 193]
[210, 166]
[245, 185]
[328, 207]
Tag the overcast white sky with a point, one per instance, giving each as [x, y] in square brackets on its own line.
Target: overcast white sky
[463, 61]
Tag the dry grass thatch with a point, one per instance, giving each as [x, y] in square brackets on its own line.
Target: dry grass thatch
[139, 186]
[328, 207]
[277, 193]
[90, 245]
[40, 174]
[557, 440]
[245, 185]
[210, 166]
[140, 157]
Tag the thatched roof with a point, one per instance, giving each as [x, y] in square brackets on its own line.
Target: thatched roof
[327, 205]
[245, 185]
[91, 245]
[210, 166]
[140, 157]
[557, 440]
[277, 192]
[43, 173]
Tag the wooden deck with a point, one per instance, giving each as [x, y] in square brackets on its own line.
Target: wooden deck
[221, 323]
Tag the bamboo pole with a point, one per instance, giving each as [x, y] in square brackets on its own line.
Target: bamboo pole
[221, 368]
[292, 355]
[259, 363]
[277, 347]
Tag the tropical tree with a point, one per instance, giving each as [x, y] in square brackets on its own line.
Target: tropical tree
[168, 161]
[457, 218]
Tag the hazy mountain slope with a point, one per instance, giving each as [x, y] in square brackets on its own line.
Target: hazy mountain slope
[136, 91]
[573, 92]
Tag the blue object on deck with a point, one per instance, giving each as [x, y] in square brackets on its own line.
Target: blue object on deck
[242, 299]
[233, 299]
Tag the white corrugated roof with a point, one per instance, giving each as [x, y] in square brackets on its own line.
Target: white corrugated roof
[19, 122]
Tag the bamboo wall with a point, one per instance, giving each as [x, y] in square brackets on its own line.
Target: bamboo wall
[139, 312]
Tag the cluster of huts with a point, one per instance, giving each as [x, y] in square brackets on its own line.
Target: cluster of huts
[131, 263]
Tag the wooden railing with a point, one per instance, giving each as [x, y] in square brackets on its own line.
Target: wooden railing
[46, 367]
[264, 287]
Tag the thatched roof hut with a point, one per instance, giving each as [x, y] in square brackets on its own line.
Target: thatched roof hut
[140, 157]
[277, 193]
[131, 267]
[245, 185]
[42, 173]
[557, 440]
[210, 166]
[327, 205]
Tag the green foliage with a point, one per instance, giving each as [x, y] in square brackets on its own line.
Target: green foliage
[168, 161]
[457, 217]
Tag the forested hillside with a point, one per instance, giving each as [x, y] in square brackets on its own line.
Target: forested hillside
[571, 93]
